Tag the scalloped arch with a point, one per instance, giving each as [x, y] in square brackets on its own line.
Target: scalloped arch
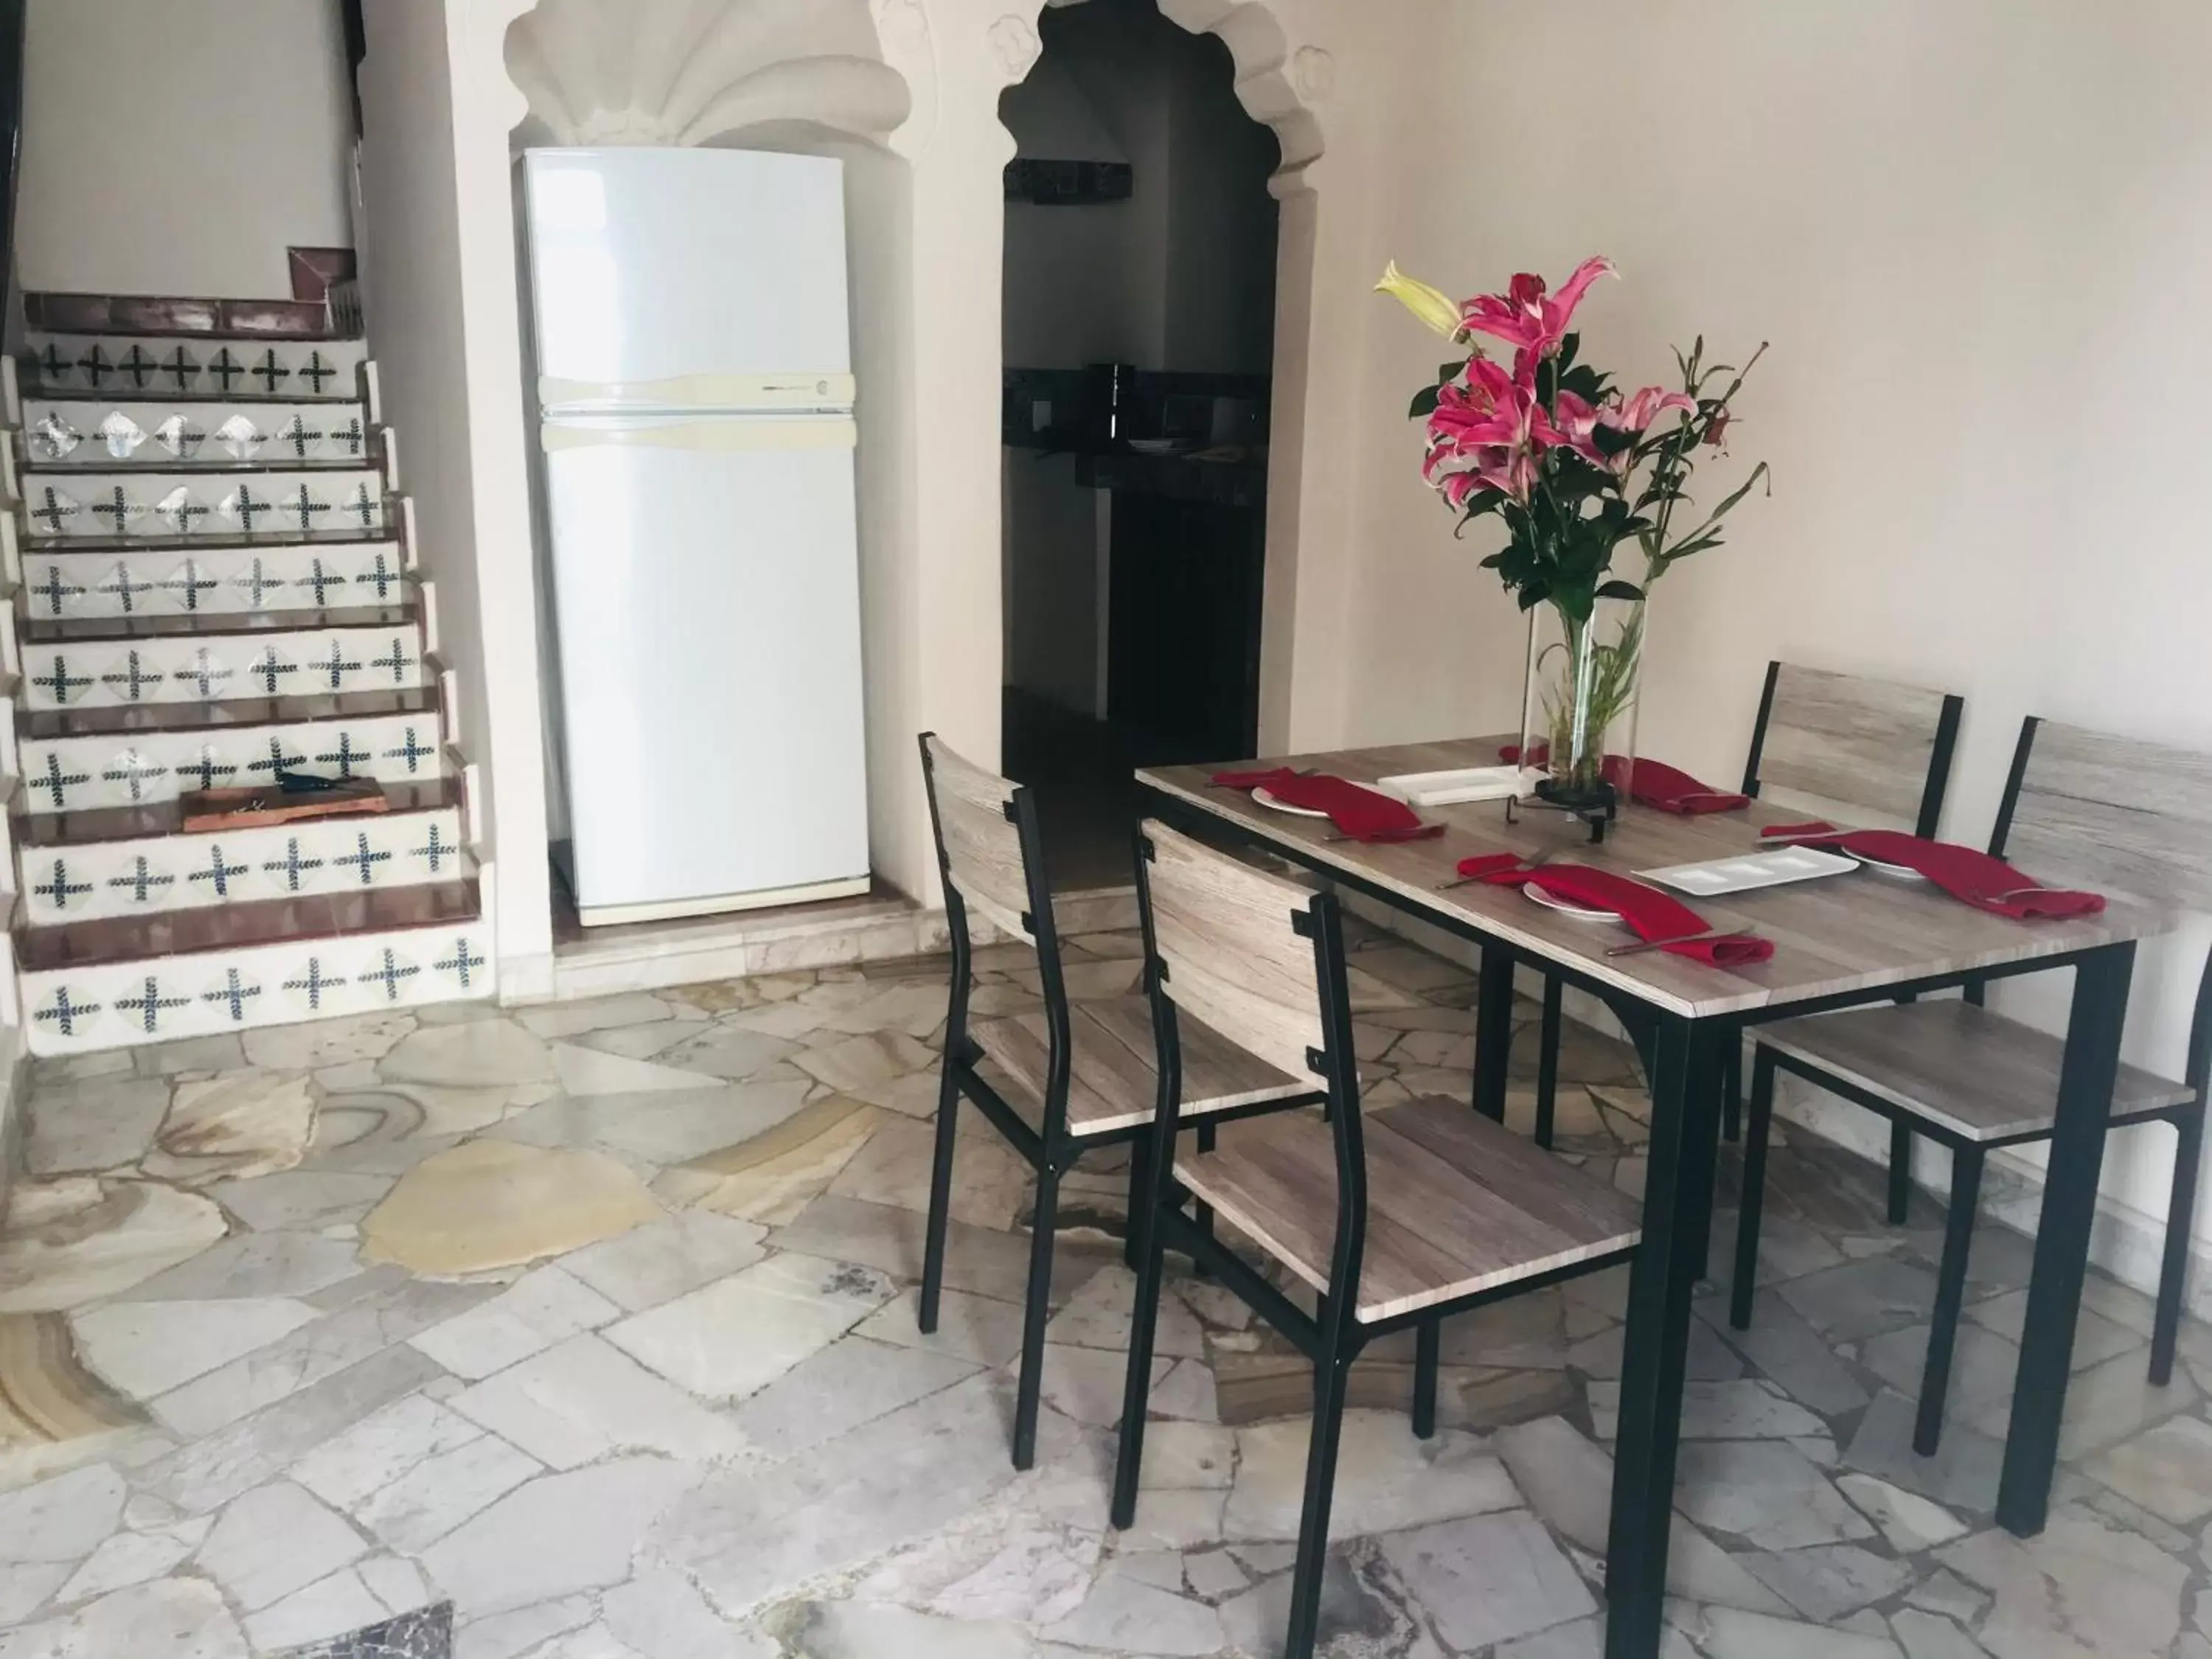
[689, 72]
[1276, 84]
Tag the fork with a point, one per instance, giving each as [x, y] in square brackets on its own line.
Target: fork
[1642, 945]
[1522, 868]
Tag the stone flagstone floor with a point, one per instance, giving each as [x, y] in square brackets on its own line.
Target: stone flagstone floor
[596, 1322]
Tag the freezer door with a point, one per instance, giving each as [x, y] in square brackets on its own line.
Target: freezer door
[707, 600]
[687, 278]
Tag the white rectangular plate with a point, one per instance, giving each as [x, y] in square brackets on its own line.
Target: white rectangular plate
[1452, 788]
[1740, 875]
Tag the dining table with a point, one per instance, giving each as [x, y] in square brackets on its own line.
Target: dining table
[1841, 941]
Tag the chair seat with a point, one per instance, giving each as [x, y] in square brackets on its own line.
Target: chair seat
[1113, 1076]
[1977, 1074]
[1456, 1203]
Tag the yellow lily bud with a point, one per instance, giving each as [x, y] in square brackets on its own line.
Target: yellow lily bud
[1432, 306]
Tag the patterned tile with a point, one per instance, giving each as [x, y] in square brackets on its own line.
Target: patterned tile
[324, 370]
[62, 587]
[177, 872]
[94, 433]
[212, 668]
[72, 1010]
[133, 769]
[172, 502]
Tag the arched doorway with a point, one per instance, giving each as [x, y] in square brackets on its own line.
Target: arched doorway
[1139, 336]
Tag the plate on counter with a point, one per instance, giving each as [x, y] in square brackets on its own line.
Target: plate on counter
[1565, 906]
[1750, 871]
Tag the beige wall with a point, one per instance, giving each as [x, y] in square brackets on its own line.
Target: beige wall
[1964, 230]
[181, 148]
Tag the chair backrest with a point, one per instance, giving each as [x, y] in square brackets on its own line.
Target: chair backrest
[1237, 954]
[979, 839]
[1859, 742]
[2111, 813]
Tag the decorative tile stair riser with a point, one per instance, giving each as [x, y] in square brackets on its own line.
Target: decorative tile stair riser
[60, 586]
[71, 1010]
[183, 503]
[88, 434]
[201, 668]
[137, 768]
[187, 872]
[317, 370]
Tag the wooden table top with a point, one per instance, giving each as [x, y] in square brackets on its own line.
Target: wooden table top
[1837, 934]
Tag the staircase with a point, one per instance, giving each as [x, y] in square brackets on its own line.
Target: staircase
[214, 586]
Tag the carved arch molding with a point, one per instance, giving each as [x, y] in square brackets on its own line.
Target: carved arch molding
[1278, 84]
[689, 72]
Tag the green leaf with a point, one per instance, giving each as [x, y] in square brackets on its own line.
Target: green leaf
[1451, 371]
[1620, 590]
[1534, 594]
[1425, 404]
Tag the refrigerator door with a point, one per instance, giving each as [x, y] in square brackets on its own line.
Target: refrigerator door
[706, 581]
[687, 279]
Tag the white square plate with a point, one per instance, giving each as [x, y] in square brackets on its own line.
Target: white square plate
[1738, 875]
[1452, 788]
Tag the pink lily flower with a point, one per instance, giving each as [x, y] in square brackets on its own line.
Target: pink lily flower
[1526, 317]
[1487, 433]
[1646, 406]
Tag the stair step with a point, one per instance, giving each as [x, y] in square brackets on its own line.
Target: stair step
[37, 832]
[88, 434]
[234, 744]
[168, 675]
[155, 875]
[158, 998]
[231, 583]
[120, 365]
[186, 504]
[238, 926]
[205, 624]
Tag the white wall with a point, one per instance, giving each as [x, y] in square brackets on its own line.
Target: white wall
[178, 147]
[1965, 230]
[438, 282]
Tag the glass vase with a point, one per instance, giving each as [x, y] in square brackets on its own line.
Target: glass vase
[1579, 712]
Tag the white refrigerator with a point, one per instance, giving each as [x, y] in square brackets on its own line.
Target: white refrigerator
[697, 530]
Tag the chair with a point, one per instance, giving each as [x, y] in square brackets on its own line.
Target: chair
[2080, 807]
[1056, 1082]
[1874, 746]
[1393, 1219]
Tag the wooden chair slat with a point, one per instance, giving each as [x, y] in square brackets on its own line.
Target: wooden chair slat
[982, 847]
[1850, 740]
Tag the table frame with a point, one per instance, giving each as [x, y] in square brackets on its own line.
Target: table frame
[1682, 1055]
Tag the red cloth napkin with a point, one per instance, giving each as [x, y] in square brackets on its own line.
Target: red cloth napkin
[1657, 785]
[1359, 813]
[1650, 915]
[1966, 873]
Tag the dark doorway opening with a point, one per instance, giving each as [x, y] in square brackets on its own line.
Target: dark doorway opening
[1139, 353]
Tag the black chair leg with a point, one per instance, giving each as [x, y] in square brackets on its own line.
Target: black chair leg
[1950, 1294]
[2180, 1224]
[1732, 1091]
[940, 1195]
[1427, 1345]
[1034, 1308]
[1141, 1160]
[1900, 1171]
[1548, 1061]
[1331, 1373]
[1754, 1191]
[1137, 1389]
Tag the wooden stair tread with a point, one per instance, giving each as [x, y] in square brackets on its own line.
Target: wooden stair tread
[1972, 1071]
[1113, 1076]
[94, 825]
[1456, 1204]
[48, 725]
[212, 624]
[232, 927]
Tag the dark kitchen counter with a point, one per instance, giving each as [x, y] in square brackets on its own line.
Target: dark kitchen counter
[1181, 477]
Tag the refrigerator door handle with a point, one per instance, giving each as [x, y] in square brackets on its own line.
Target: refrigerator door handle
[792, 390]
[697, 434]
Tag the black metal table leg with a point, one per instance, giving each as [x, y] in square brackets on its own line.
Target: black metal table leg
[1493, 1031]
[2062, 1237]
[1678, 1196]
